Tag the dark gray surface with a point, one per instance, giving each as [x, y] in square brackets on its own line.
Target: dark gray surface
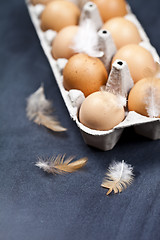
[37, 206]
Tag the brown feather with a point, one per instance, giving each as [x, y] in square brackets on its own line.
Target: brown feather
[57, 165]
[49, 122]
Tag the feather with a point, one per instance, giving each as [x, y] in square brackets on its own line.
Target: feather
[57, 165]
[152, 100]
[118, 177]
[86, 40]
[39, 110]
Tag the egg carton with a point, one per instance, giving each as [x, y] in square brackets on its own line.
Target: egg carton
[104, 140]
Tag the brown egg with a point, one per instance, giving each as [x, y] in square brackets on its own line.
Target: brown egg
[61, 46]
[123, 31]
[84, 73]
[59, 14]
[139, 60]
[137, 100]
[44, 2]
[111, 8]
[101, 111]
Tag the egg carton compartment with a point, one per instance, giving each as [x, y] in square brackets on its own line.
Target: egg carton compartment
[104, 140]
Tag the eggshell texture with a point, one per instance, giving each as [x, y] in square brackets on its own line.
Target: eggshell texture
[111, 8]
[139, 60]
[84, 73]
[123, 31]
[101, 111]
[59, 14]
[61, 46]
[137, 100]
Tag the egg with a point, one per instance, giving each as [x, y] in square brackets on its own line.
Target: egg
[59, 14]
[123, 31]
[84, 73]
[44, 2]
[101, 111]
[139, 60]
[61, 46]
[141, 94]
[111, 8]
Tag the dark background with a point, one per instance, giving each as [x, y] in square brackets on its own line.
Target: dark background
[37, 206]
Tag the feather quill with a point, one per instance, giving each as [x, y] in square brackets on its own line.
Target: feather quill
[58, 165]
[86, 40]
[118, 177]
[39, 110]
[152, 100]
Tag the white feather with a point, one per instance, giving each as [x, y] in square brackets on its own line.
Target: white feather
[118, 177]
[86, 40]
[152, 101]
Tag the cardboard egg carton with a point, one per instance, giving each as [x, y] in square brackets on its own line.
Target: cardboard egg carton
[104, 140]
